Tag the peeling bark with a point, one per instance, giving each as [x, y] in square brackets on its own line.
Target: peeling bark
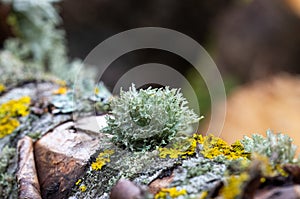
[61, 158]
[26, 174]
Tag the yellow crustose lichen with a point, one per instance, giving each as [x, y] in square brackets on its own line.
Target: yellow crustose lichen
[214, 146]
[78, 182]
[82, 188]
[211, 147]
[171, 192]
[203, 195]
[234, 185]
[10, 111]
[2, 88]
[96, 91]
[60, 91]
[265, 166]
[102, 159]
[186, 147]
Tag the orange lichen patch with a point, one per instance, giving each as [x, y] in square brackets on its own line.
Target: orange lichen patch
[170, 192]
[9, 112]
[102, 159]
[62, 90]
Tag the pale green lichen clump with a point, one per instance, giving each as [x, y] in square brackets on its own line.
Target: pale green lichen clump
[277, 147]
[7, 179]
[144, 119]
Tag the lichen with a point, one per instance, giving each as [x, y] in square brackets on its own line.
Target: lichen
[7, 185]
[101, 97]
[145, 119]
[7, 180]
[277, 147]
[102, 159]
[61, 90]
[214, 147]
[203, 195]
[38, 40]
[233, 186]
[2, 88]
[211, 147]
[229, 169]
[198, 174]
[38, 48]
[182, 147]
[266, 167]
[140, 167]
[64, 103]
[10, 111]
[82, 188]
[6, 154]
[78, 182]
[165, 193]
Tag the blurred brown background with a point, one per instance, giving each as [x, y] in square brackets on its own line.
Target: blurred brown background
[252, 42]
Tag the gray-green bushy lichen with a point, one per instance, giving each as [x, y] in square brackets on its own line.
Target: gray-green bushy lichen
[38, 50]
[145, 119]
[277, 147]
[39, 43]
[198, 174]
[8, 187]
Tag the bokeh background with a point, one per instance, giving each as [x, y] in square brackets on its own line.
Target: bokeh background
[255, 44]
